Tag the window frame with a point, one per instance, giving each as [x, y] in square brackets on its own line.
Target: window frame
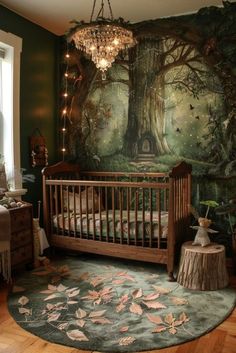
[12, 45]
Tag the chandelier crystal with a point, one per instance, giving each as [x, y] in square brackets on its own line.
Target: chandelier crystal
[103, 38]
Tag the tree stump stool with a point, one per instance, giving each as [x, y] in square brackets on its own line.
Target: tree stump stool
[203, 268]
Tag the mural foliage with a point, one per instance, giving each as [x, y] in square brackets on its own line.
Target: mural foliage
[170, 98]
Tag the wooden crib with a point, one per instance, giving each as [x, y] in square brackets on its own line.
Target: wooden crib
[140, 216]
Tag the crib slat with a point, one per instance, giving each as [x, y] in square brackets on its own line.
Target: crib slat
[100, 213]
[143, 217]
[151, 217]
[113, 215]
[93, 213]
[68, 209]
[136, 216]
[56, 205]
[87, 214]
[80, 213]
[107, 215]
[62, 209]
[159, 218]
[51, 207]
[74, 209]
[121, 214]
[128, 214]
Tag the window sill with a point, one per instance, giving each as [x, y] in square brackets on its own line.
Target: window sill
[16, 193]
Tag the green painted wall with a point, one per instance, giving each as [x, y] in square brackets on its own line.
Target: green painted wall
[38, 92]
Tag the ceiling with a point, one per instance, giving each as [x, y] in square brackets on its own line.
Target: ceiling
[55, 15]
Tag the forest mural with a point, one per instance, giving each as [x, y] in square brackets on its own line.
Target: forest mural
[171, 97]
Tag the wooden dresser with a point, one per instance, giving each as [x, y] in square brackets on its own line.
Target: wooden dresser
[21, 235]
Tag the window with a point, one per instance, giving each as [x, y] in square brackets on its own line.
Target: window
[10, 50]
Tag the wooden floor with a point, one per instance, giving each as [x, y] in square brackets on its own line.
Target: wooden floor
[14, 339]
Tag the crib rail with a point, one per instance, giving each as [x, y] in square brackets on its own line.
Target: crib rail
[109, 211]
[117, 213]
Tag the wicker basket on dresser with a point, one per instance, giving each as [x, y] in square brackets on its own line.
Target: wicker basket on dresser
[21, 235]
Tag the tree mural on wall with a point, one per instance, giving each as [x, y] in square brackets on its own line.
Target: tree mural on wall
[152, 62]
[187, 53]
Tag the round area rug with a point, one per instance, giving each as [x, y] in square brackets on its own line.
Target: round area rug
[107, 305]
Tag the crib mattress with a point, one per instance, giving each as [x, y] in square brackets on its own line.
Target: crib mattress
[111, 223]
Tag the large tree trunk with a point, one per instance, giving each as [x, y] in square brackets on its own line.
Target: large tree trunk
[146, 100]
[87, 73]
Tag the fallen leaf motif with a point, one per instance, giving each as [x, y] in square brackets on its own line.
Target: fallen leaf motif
[97, 280]
[125, 275]
[53, 317]
[74, 293]
[126, 341]
[50, 306]
[154, 305]
[124, 329]
[124, 298]
[23, 300]
[135, 309]
[177, 323]
[80, 313]
[172, 330]
[118, 281]
[70, 302]
[120, 307]
[97, 313]
[151, 296]
[183, 317]
[69, 290]
[77, 335]
[84, 276]
[155, 319]
[52, 296]
[63, 326]
[179, 301]
[159, 329]
[101, 320]
[25, 311]
[137, 293]
[80, 323]
[161, 290]
[169, 319]
[61, 288]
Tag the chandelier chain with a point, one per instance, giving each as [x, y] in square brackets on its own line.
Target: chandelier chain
[101, 11]
[92, 13]
[110, 9]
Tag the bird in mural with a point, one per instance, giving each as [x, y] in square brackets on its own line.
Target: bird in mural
[191, 107]
[96, 158]
[178, 130]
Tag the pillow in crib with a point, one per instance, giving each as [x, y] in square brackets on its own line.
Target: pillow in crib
[90, 193]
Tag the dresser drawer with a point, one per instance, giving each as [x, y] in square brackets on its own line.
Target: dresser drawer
[22, 255]
[21, 219]
[21, 238]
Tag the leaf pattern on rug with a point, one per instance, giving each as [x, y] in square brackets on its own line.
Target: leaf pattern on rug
[112, 300]
[135, 301]
[169, 322]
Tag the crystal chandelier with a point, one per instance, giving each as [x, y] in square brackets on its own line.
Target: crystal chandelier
[102, 38]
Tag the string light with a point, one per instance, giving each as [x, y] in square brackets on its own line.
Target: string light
[65, 105]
